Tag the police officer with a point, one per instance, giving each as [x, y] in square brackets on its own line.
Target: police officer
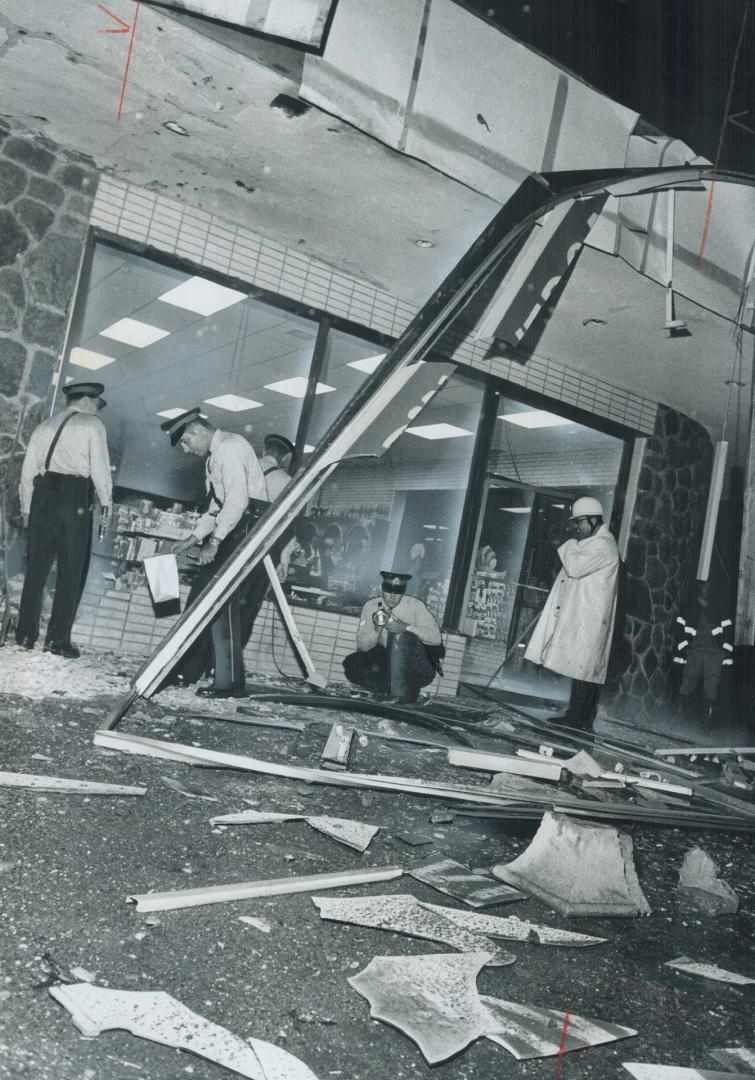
[399, 645]
[237, 492]
[67, 456]
[573, 633]
[277, 448]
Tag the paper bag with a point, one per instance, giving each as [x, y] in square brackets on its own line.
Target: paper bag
[162, 577]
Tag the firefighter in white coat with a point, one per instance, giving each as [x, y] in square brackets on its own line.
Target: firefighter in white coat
[573, 634]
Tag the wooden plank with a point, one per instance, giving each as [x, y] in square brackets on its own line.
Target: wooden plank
[134, 744]
[65, 786]
[313, 676]
[702, 751]
[248, 890]
[546, 769]
[336, 753]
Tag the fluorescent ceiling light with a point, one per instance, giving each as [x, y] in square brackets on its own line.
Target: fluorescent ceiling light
[297, 387]
[535, 418]
[201, 296]
[516, 509]
[308, 449]
[171, 414]
[369, 364]
[133, 332]
[87, 359]
[233, 403]
[438, 431]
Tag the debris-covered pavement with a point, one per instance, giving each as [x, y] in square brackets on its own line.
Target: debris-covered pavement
[293, 969]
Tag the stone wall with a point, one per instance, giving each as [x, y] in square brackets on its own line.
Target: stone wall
[661, 565]
[45, 200]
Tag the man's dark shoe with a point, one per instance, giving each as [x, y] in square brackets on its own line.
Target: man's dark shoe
[228, 692]
[25, 642]
[64, 649]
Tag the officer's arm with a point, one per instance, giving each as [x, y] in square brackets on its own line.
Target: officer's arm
[581, 559]
[34, 464]
[99, 463]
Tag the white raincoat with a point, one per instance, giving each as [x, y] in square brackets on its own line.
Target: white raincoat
[573, 634]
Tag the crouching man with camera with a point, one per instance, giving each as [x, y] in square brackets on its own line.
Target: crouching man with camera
[399, 648]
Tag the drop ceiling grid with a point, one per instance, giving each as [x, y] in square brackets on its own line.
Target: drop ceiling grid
[126, 210]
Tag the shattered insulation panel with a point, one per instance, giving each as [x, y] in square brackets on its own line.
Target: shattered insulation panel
[301, 21]
[454, 879]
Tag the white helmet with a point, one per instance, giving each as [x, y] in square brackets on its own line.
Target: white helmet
[586, 507]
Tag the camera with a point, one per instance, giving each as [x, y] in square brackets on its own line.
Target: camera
[380, 616]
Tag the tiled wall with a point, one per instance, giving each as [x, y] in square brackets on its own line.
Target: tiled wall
[123, 622]
[173, 227]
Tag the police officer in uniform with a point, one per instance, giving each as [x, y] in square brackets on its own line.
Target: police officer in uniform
[399, 645]
[237, 493]
[67, 456]
[277, 449]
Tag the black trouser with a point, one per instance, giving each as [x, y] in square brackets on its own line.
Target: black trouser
[401, 669]
[60, 528]
[583, 703]
[222, 648]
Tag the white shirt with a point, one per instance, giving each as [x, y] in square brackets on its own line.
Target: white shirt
[409, 610]
[81, 450]
[276, 478]
[235, 476]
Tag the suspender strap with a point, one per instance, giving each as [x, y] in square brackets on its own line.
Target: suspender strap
[55, 438]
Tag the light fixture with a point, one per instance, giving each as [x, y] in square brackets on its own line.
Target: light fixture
[438, 431]
[307, 449]
[516, 509]
[171, 414]
[297, 387]
[424, 243]
[233, 402]
[368, 364]
[535, 418]
[201, 296]
[133, 332]
[174, 128]
[86, 358]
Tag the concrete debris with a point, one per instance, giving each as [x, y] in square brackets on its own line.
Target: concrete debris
[336, 752]
[354, 834]
[528, 1032]
[735, 1057]
[709, 971]
[161, 1018]
[513, 929]
[258, 924]
[405, 915]
[414, 839]
[248, 890]
[83, 975]
[188, 791]
[65, 786]
[583, 764]
[578, 869]
[458, 881]
[521, 788]
[6, 865]
[700, 885]
[432, 999]
[545, 768]
[641, 1071]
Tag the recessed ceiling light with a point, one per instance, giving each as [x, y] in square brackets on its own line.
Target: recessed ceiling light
[171, 414]
[87, 359]
[516, 509]
[369, 364]
[174, 128]
[297, 387]
[438, 431]
[233, 402]
[424, 243]
[201, 296]
[133, 332]
[535, 418]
